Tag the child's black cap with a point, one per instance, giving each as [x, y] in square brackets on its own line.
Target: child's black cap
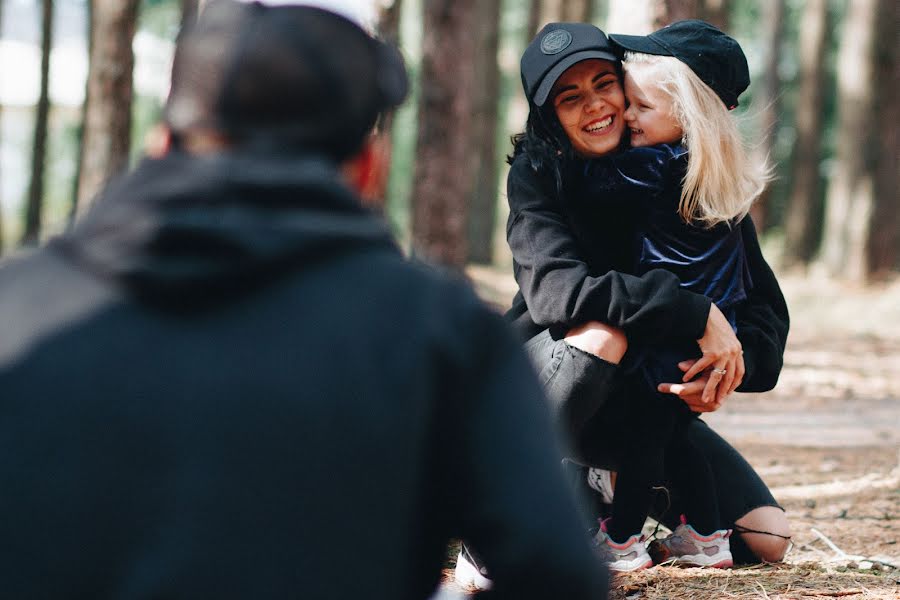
[714, 56]
[554, 49]
[283, 76]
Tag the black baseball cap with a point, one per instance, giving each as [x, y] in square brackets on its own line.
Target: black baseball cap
[713, 55]
[289, 76]
[554, 49]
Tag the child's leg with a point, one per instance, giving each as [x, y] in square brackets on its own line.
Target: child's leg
[642, 458]
[693, 475]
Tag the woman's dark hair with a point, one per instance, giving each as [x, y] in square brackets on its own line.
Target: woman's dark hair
[544, 143]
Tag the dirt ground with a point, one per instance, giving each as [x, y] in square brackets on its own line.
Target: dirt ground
[826, 440]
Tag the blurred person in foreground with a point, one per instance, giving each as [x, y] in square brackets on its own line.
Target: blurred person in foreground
[227, 381]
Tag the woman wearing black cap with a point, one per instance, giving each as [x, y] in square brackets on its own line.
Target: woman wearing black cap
[577, 305]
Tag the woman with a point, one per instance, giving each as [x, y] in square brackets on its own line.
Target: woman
[578, 307]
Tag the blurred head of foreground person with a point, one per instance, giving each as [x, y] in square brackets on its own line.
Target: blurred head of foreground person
[226, 381]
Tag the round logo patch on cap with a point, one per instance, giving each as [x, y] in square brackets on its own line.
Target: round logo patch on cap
[556, 41]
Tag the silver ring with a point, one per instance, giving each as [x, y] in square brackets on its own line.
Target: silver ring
[719, 371]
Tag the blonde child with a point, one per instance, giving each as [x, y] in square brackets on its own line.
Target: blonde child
[690, 180]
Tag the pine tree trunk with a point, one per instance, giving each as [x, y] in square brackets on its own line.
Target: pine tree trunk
[1, 174]
[716, 12]
[32, 230]
[483, 212]
[576, 11]
[883, 250]
[669, 11]
[773, 34]
[107, 126]
[189, 11]
[444, 157]
[802, 227]
[850, 199]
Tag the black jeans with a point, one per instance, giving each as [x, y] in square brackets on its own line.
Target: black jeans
[583, 391]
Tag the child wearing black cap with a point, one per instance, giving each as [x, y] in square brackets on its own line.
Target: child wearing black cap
[691, 179]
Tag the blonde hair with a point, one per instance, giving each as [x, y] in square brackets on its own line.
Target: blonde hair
[723, 178]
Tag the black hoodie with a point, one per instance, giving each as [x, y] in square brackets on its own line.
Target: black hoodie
[227, 382]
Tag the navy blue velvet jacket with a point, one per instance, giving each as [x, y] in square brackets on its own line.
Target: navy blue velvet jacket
[647, 181]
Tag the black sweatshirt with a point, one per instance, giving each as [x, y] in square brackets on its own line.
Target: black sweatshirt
[227, 382]
[572, 261]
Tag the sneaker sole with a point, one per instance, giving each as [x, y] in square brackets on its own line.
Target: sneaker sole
[467, 576]
[723, 560]
[637, 564]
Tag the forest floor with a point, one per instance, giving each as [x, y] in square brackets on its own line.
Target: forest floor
[826, 440]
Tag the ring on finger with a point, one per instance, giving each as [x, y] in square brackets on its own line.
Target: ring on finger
[719, 371]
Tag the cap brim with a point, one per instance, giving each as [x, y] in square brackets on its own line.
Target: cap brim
[638, 43]
[543, 90]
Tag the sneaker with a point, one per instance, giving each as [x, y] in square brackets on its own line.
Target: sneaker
[685, 547]
[630, 556]
[470, 572]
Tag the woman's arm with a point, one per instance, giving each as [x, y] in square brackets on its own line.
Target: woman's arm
[562, 291]
[762, 320]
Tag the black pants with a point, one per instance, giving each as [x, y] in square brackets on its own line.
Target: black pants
[583, 390]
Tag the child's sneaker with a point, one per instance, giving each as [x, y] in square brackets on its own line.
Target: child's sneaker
[630, 556]
[685, 547]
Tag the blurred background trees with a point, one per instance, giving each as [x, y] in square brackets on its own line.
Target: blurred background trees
[825, 74]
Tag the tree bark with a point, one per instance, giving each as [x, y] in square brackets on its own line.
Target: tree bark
[802, 228]
[190, 9]
[1, 175]
[483, 212]
[716, 12]
[669, 11]
[32, 230]
[444, 161]
[850, 199]
[773, 35]
[107, 126]
[883, 250]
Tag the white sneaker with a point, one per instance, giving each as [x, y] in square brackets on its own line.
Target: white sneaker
[687, 548]
[630, 556]
[470, 574]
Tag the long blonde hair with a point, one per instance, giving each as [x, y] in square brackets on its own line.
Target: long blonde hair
[723, 178]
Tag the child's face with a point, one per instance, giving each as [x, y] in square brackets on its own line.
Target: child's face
[649, 113]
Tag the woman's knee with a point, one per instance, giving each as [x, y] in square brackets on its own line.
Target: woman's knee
[599, 339]
[756, 529]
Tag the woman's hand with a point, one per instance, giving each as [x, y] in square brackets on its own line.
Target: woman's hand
[722, 354]
[692, 392]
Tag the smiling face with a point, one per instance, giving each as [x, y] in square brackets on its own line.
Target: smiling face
[649, 116]
[589, 103]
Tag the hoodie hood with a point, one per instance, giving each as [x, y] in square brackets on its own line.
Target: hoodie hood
[185, 232]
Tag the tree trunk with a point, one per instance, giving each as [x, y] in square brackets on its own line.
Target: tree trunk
[669, 11]
[850, 199]
[1, 175]
[716, 12]
[576, 11]
[773, 34]
[804, 210]
[389, 21]
[483, 212]
[189, 11]
[444, 161]
[35, 200]
[883, 250]
[107, 125]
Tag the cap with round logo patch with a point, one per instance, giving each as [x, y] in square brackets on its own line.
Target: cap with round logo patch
[554, 49]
